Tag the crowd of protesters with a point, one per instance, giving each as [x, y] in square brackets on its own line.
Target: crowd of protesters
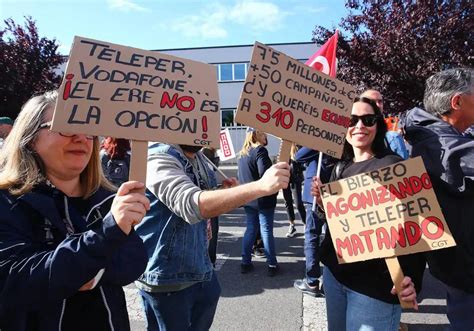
[74, 229]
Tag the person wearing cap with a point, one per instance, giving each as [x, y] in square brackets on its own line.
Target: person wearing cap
[6, 125]
[253, 164]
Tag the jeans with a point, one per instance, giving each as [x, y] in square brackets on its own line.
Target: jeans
[212, 249]
[190, 309]
[353, 311]
[311, 246]
[290, 194]
[256, 218]
[460, 307]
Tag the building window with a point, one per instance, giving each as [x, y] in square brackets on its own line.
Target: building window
[227, 116]
[227, 72]
[240, 71]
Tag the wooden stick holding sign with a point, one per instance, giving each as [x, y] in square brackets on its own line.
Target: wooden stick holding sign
[396, 273]
[139, 152]
[285, 151]
[385, 213]
[124, 92]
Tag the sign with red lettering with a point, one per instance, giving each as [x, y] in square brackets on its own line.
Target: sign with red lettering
[295, 102]
[386, 212]
[124, 92]
[227, 148]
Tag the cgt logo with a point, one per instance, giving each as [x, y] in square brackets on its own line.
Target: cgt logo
[439, 244]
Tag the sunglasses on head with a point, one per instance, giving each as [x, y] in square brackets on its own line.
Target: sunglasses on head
[367, 120]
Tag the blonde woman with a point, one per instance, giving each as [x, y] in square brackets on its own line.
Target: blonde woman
[253, 163]
[67, 244]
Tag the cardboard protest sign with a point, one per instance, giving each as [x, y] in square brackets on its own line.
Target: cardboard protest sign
[384, 213]
[290, 100]
[113, 90]
[226, 152]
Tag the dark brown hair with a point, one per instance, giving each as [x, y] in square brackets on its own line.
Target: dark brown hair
[378, 145]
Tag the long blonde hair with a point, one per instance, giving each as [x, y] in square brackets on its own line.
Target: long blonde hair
[293, 150]
[21, 168]
[251, 141]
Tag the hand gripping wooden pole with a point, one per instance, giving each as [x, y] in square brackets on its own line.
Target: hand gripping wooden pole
[397, 276]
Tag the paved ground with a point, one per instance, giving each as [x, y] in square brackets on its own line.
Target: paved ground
[257, 302]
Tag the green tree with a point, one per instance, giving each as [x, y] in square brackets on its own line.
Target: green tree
[27, 64]
[394, 45]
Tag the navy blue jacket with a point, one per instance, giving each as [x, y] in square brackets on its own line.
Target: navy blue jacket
[251, 168]
[41, 265]
[309, 157]
[449, 159]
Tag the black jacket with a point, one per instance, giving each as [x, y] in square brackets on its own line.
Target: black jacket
[252, 167]
[449, 159]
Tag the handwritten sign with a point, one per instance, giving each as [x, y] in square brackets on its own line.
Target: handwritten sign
[125, 92]
[290, 100]
[226, 152]
[384, 213]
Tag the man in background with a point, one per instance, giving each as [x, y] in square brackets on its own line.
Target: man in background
[311, 283]
[437, 136]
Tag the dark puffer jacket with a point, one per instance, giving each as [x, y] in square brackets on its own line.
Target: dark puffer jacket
[449, 158]
[41, 265]
[251, 168]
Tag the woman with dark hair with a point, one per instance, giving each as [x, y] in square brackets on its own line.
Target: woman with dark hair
[360, 295]
[115, 159]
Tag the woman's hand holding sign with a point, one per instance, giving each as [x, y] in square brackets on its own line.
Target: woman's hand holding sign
[128, 208]
[316, 192]
[408, 294]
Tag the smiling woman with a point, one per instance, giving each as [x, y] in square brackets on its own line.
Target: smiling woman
[365, 136]
[64, 156]
[360, 294]
[67, 244]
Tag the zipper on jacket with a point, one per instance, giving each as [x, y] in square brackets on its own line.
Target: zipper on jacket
[62, 315]
[67, 220]
[107, 307]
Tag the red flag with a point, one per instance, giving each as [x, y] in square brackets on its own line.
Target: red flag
[324, 59]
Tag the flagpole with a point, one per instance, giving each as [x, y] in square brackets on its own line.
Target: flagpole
[215, 167]
[330, 66]
[318, 173]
